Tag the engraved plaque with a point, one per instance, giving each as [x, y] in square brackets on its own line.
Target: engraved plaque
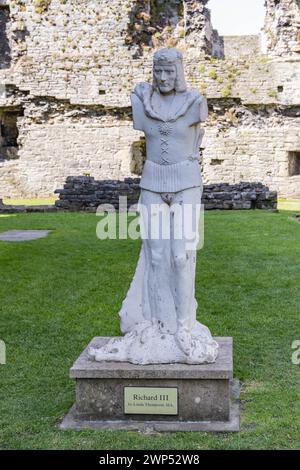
[151, 400]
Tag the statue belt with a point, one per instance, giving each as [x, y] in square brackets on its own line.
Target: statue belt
[171, 177]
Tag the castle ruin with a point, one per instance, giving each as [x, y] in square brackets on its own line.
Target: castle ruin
[67, 69]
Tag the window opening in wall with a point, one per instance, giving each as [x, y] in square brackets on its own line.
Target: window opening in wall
[294, 163]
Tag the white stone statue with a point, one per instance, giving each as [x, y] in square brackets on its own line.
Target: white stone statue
[158, 315]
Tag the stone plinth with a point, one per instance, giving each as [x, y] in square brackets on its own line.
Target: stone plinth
[207, 394]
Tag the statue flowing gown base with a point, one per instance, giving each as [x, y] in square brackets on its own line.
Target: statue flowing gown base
[152, 340]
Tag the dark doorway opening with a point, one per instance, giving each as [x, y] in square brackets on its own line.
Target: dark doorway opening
[9, 134]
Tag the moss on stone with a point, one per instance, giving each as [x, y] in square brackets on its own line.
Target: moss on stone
[41, 6]
[213, 74]
[272, 93]
[226, 91]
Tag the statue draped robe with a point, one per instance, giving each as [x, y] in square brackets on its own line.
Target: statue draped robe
[172, 165]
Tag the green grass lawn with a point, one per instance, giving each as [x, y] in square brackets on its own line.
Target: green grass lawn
[57, 293]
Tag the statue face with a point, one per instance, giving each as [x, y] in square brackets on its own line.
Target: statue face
[165, 76]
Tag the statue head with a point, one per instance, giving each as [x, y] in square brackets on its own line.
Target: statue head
[168, 74]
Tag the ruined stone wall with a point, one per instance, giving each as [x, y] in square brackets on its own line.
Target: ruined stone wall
[254, 150]
[73, 65]
[86, 193]
[282, 28]
[240, 144]
[237, 46]
[91, 51]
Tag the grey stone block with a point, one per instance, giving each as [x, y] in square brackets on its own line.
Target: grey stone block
[23, 235]
[207, 395]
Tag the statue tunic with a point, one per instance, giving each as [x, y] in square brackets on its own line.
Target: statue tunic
[172, 141]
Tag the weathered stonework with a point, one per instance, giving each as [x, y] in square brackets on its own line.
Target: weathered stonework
[282, 27]
[84, 193]
[68, 69]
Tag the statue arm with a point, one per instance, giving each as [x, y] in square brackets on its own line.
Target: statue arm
[199, 111]
[137, 112]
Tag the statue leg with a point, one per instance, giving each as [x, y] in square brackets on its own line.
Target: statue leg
[185, 214]
[155, 219]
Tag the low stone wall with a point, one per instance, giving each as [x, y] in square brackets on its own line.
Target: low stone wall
[239, 196]
[85, 193]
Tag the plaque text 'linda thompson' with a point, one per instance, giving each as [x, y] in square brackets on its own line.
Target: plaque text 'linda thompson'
[151, 400]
